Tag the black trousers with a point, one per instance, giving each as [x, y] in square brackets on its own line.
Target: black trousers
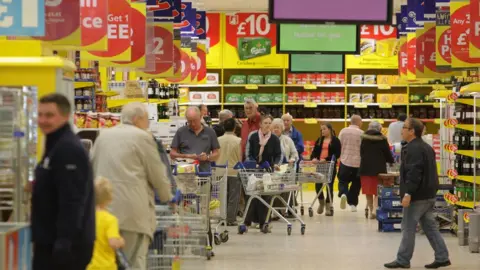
[347, 175]
[43, 259]
[257, 212]
[318, 186]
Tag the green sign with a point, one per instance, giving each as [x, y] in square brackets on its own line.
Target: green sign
[322, 38]
[321, 63]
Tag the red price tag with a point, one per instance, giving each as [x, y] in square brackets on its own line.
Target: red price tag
[139, 28]
[403, 57]
[93, 15]
[411, 53]
[378, 32]
[242, 25]
[450, 198]
[460, 20]
[213, 28]
[452, 174]
[444, 46]
[62, 18]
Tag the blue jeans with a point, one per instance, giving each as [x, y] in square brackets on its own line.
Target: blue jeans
[420, 211]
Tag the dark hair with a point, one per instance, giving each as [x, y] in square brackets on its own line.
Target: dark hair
[402, 117]
[60, 100]
[229, 125]
[417, 126]
[201, 106]
[265, 116]
[329, 126]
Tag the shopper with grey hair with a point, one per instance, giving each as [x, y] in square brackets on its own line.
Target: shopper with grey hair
[128, 156]
[252, 123]
[222, 116]
[374, 156]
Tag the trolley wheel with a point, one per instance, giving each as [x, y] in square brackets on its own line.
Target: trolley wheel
[289, 230]
[264, 229]
[224, 237]
[310, 212]
[209, 255]
[302, 211]
[217, 240]
[242, 229]
[302, 229]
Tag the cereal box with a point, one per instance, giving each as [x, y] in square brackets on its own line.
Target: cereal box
[370, 79]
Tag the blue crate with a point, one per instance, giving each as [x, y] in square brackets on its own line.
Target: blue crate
[384, 216]
[390, 204]
[388, 192]
[389, 226]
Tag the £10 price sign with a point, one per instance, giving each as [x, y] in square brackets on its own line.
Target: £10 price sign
[22, 18]
[251, 42]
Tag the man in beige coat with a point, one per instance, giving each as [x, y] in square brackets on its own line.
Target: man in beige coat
[128, 156]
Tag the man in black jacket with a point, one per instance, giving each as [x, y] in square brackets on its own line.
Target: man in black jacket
[418, 190]
[63, 207]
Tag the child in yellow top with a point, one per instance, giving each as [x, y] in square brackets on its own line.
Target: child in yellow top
[108, 236]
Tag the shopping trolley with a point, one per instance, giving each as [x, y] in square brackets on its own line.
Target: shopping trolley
[260, 181]
[315, 172]
[218, 203]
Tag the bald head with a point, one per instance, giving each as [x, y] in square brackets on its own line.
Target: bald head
[356, 120]
[194, 118]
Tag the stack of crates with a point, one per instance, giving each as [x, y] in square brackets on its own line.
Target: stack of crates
[389, 212]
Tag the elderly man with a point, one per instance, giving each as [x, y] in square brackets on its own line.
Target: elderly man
[222, 116]
[350, 139]
[418, 190]
[252, 123]
[128, 156]
[293, 133]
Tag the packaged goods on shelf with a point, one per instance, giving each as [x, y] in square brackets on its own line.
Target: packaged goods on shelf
[273, 79]
[314, 78]
[385, 98]
[265, 98]
[238, 79]
[249, 48]
[249, 96]
[376, 113]
[211, 97]
[255, 79]
[337, 78]
[419, 98]
[277, 98]
[196, 97]
[357, 79]
[355, 98]
[233, 98]
[367, 98]
[370, 79]
[212, 78]
[96, 120]
[184, 95]
[400, 98]
[86, 74]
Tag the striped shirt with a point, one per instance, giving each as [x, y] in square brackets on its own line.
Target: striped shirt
[350, 138]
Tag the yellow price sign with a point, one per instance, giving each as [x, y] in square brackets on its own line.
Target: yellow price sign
[378, 120]
[385, 106]
[310, 87]
[310, 105]
[439, 87]
[310, 121]
[360, 105]
[436, 105]
[251, 87]
[384, 87]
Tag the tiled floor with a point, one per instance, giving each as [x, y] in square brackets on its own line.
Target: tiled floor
[345, 241]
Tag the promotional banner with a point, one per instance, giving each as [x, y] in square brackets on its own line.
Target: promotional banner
[62, 23]
[201, 25]
[22, 18]
[214, 25]
[163, 50]
[193, 63]
[402, 57]
[177, 12]
[474, 48]
[318, 38]
[442, 3]
[251, 42]
[119, 39]
[161, 8]
[187, 26]
[138, 39]
[404, 22]
[443, 40]
[429, 10]
[415, 14]
[94, 31]
[379, 48]
[201, 63]
[411, 55]
[420, 53]
[431, 70]
[460, 21]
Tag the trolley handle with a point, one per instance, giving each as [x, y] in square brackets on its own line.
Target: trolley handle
[214, 165]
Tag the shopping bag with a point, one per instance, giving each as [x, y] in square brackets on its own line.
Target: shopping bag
[252, 183]
[122, 262]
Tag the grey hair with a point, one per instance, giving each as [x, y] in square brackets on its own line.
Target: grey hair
[224, 115]
[131, 111]
[287, 116]
[278, 121]
[193, 108]
[374, 125]
[355, 118]
[250, 101]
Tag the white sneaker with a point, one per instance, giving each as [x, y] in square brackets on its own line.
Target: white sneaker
[353, 208]
[343, 201]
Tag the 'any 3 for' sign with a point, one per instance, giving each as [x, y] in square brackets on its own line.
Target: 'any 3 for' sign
[22, 18]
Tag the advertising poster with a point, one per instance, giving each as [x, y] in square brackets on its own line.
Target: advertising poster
[201, 63]
[402, 57]
[443, 40]
[62, 24]
[94, 28]
[193, 64]
[188, 22]
[431, 70]
[201, 25]
[163, 50]
[420, 53]
[160, 8]
[474, 48]
[214, 31]
[415, 14]
[119, 38]
[251, 42]
[429, 10]
[460, 21]
[411, 56]
[138, 39]
[379, 48]
[26, 18]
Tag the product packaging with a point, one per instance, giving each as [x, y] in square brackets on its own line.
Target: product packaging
[355, 98]
[212, 78]
[233, 98]
[357, 79]
[92, 120]
[255, 79]
[184, 95]
[264, 98]
[249, 96]
[367, 98]
[238, 79]
[292, 97]
[277, 98]
[249, 48]
[322, 79]
[196, 97]
[337, 97]
[400, 98]
[292, 78]
[211, 97]
[385, 98]
[273, 79]
[337, 78]
[370, 79]
[302, 97]
[384, 79]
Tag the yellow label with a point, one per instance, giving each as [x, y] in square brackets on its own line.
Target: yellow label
[385, 105]
[309, 87]
[310, 121]
[251, 87]
[439, 87]
[436, 105]
[436, 121]
[360, 105]
[384, 87]
[378, 120]
[310, 105]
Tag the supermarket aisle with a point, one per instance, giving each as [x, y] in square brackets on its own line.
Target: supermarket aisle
[346, 241]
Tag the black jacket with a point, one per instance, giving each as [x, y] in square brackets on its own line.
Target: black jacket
[334, 149]
[63, 203]
[375, 154]
[418, 171]
[219, 130]
[272, 152]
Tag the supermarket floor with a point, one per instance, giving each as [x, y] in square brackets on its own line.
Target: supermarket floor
[345, 241]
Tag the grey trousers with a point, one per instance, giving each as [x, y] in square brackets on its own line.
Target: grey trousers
[136, 249]
[420, 211]
[234, 187]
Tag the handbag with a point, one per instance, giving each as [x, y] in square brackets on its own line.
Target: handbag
[122, 262]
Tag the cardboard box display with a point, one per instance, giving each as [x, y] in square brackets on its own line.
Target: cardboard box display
[370, 79]
[355, 98]
[337, 97]
[385, 98]
[211, 97]
[212, 78]
[292, 97]
[367, 98]
[196, 97]
[238, 79]
[255, 79]
[265, 98]
[337, 78]
[233, 98]
[273, 79]
[400, 98]
[249, 96]
[183, 95]
[357, 79]
[384, 79]
[277, 98]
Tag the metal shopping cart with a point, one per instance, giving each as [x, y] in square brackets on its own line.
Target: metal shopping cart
[218, 203]
[314, 172]
[261, 181]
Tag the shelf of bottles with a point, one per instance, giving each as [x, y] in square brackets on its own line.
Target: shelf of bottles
[18, 138]
[165, 96]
